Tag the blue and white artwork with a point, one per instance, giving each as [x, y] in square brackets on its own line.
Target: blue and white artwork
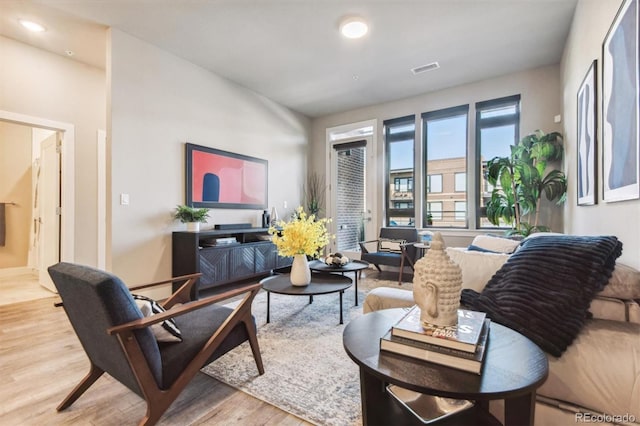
[587, 138]
[621, 116]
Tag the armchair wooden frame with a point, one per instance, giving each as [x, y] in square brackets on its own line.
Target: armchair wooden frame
[158, 400]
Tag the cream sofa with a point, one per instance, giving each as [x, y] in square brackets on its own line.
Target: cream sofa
[597, 379]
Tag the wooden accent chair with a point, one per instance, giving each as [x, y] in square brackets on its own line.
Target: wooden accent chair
[117, 338]
[394, 247]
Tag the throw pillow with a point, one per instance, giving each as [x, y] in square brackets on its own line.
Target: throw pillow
[390, 245]
[545, 288]
[477, 267]
[165, 331]
[494, 244]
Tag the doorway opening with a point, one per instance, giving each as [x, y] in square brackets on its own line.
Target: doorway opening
[40, 222]
[351, 194]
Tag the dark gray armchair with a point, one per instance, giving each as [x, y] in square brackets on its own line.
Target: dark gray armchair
[118, 341]
[394, 247]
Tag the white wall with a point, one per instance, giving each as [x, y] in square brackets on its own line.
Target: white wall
[540, 100]
[40, 84]
[157, 103]
[590, 25]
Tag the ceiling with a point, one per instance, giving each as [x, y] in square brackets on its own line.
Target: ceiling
[291, 50]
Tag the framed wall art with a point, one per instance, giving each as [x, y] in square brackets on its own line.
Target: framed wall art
[587, 139]
[222, 179]
[620, 112]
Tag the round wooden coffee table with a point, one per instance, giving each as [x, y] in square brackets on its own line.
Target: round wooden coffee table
[320, 284]
[354, 266]
[514, 367]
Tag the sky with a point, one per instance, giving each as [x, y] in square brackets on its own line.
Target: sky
[447, 138]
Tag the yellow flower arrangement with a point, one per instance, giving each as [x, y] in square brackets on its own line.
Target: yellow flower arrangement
[303, 235]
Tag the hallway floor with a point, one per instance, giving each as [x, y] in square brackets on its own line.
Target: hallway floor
[21, 289]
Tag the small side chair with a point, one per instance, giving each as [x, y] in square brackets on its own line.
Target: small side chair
[117, 339]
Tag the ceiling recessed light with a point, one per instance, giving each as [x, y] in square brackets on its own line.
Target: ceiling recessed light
[69, 52]
[353, 27]
[32, 26]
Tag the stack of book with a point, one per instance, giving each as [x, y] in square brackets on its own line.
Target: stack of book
[460, 346]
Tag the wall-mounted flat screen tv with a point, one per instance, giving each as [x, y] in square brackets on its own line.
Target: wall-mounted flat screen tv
[222, 179]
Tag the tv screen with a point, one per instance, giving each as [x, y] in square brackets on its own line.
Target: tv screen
[222, 179]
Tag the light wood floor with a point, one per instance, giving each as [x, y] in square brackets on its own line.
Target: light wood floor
[41, 360]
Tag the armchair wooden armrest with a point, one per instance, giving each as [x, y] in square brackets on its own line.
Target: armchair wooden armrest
[363, 246]
[183, 309]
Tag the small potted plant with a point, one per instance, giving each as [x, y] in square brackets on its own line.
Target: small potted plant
[191, 216]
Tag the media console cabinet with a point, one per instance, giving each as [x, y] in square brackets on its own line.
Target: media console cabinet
[253, 255]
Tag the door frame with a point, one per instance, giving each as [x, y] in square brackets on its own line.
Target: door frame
[67, 189]
[371, 171]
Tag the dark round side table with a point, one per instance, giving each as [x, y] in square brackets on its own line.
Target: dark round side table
[354, 266]
[514, 367]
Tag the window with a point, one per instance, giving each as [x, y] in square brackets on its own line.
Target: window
[497, 128]
[435, 210]
[434, 183]
[403, 184]
[399, 143]
[460, 210]
[450, 176]
[402, 205]
[460, 182]
[445, 147]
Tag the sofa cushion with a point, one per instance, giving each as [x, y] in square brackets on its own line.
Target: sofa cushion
[544, 290]
[624, 283]
[600, 370]
[608, 308]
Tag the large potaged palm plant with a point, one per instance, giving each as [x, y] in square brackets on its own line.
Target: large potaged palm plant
[520, 180]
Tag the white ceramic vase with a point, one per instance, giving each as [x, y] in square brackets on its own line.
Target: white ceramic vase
[300, 272]
[193, 226]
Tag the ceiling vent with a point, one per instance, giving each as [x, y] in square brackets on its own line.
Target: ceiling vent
[425, 68]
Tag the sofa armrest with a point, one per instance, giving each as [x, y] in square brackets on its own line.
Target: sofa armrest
[387, 298]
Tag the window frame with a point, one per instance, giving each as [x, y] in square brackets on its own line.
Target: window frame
[388, 139]
[484, 123]
[437, 115]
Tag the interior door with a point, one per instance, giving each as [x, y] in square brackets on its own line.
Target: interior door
[49, 207]
[351, 194]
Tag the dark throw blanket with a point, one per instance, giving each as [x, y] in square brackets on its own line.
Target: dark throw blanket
[544, 290]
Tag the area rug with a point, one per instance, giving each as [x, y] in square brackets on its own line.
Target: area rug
[307, 371]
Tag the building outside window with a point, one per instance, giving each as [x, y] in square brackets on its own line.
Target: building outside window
[445, 148]
[497, 128]
[400, 147]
